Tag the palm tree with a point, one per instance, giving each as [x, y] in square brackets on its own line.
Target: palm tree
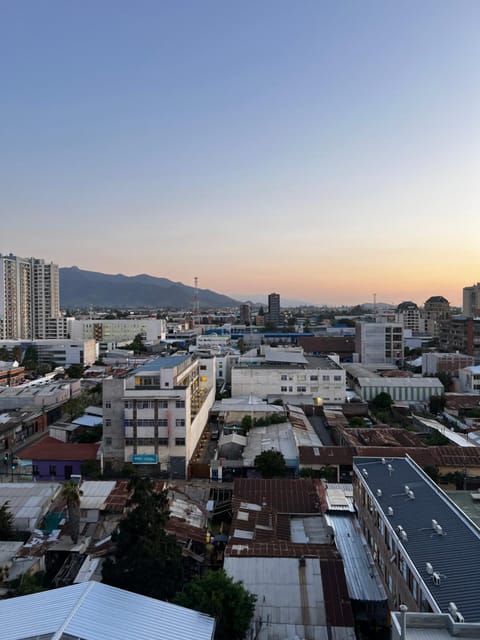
[72, 494]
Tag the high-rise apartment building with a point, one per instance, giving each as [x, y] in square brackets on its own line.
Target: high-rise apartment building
[379, 343]
[471, 301]
[436, 309]
[274, 308]
[29, 299]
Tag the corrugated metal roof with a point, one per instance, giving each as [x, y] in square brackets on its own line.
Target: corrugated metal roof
[454, 553]
[362, 576]
[94, 493]
[28, 501]
[95, 611]
[291, 600]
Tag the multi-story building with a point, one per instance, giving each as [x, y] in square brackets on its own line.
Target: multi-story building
[379, 343]
[426, 549]
[408, 314]
[274, 309]
[245, 313]
[288, 373]
[60, 353]
[436, 308]
[433, 363]
[470, 379]
[114, 331]
[471, 301]
[155, 415]
[29, 298]
[460, 333]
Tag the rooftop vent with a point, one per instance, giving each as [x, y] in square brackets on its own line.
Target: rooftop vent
[384, 461]
[389, 469]
[365, 473]
[406, 488]
[411, 495]
[379, 493]
[455, 613]
[390, 511]
[429, 568]
[436, 578]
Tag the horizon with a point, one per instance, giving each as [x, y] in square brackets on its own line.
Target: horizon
[323, 150]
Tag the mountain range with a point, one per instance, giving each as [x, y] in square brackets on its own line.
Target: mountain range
[80, 289]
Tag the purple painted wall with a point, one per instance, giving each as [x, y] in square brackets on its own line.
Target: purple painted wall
[43, 467]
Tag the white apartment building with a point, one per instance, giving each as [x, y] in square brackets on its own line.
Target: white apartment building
[379, 343]
[470, 379]
[115, 331]
[155, 416]
[288, 374]
[59, 352]
[29, 298]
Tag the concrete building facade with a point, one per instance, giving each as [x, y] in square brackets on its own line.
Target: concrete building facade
[29, 298]
[471, 301]
[120, 330]
[379, 343]
[155, 415]
[274, 309]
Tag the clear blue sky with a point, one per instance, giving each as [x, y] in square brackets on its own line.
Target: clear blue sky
[325, 150]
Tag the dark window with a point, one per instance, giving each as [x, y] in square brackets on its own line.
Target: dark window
[52, 470]
[180, 442]
[68, 471]
[180, 404]
[35, 470]
[163, 442]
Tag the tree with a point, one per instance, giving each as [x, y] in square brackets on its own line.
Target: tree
[71, 494]
[75, 371]
[382, 401]
[4, 354]
[6, 522]
[138, 345]
[146, 559]
[437, 404]
[30, 359]
[270, 464]
[218, 595]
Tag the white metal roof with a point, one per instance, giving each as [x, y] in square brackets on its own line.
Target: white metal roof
[28, 501]
[94, 493]
[95, 611]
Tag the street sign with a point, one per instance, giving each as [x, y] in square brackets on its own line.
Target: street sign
[144, 458]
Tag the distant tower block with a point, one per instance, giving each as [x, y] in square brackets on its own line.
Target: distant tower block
[196, 301]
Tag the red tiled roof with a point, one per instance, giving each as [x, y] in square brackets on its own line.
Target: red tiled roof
[293, 496]
[51, 449]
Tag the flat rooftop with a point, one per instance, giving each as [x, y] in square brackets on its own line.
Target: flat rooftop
[169, 362]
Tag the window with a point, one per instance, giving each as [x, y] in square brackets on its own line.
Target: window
[128, 404]
[163, 404]
[35, 470]
[180, 442]
[203, 367]
[179, 422]
[67, 471]
[128, 423]
[52, 470]
[180, 404]
[108, 442]
[163, 442]
[283, 377]
[108, 405]
[326, 378]
[337, 378]
[301, 389]
[144, 404]
[163, 422]
[313, 377]
[108, 422]
[283, 389]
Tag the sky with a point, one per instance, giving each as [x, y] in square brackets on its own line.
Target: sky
[325, 150]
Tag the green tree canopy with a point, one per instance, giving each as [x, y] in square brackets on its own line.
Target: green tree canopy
[146, 559]
[270, 464]
[437, 404]
[219, 596]
[30, 359]
[382, 401]
[71, 493]
[74, 371]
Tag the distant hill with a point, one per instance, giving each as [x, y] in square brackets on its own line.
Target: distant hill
[79, 288]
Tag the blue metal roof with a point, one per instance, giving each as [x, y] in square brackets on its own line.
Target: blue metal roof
[88, 421]
[96, 611]
[454, 552]
[156, 364]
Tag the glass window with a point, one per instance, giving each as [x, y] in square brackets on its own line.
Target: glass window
[52, 470]
[179, 422]
[180, 404]
[180, 442]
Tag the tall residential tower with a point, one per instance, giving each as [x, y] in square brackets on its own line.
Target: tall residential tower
[29, 299]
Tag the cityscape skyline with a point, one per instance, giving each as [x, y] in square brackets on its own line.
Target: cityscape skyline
[324, 151]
